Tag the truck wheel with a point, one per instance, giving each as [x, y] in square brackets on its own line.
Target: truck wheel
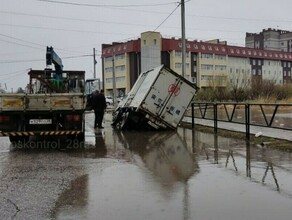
[76, 141]
[122, 125]
[81, 137]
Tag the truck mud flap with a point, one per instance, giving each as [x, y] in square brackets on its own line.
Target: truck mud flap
[38, 133]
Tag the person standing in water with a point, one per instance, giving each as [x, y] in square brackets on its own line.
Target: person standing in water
[98, 105]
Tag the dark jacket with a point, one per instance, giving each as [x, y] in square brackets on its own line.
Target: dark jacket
[98, 102]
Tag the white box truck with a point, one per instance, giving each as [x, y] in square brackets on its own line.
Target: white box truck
[158, 100]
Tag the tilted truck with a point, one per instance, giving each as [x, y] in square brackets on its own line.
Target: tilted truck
[54, 104]
[158, 100]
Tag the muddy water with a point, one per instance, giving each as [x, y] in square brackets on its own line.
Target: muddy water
[278, 118]
[176, 175]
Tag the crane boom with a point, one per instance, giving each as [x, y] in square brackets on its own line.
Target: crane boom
[53, 58]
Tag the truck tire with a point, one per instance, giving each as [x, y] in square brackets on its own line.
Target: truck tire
[76, 140]
[123, 123]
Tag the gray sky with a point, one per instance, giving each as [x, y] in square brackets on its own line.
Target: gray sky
[75, 27]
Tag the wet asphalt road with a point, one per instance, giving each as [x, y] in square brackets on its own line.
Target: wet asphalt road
[145, 175]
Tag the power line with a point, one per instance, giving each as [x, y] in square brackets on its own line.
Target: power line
[38, 60]
[153, 12]
[131, 24]
[20, 61]
[166, 18]
[14, 72]
[163, 21]
[59, 29]
[10, 42]
[106, 6]
[11, 37]
[74, 19]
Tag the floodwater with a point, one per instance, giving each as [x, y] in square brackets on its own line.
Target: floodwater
[187, 175]
[264, 115]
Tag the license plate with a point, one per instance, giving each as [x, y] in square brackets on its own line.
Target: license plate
[40, 121]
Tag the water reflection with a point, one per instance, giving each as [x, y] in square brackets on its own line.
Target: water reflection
[183, 175]
[167, 156]
[74, 197]
[261, 164]
[164, 153]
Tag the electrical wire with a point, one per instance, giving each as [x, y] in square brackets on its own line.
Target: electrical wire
[74, 19]
[38, 60]
[14, 72]
[105, 6]
[166, 18]
[163, 21]
[10, 42]
[11, 37]
[59, 29]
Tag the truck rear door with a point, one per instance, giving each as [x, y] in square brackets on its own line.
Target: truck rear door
[169, 98]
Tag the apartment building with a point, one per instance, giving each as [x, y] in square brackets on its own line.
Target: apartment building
[208, 64]
[270, 39]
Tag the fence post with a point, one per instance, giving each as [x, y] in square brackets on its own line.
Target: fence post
[215, 118]
[193, 115]
[247, 121]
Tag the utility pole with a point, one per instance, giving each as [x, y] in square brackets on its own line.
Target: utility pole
[94, 64]
[114, 81]
[183, 37]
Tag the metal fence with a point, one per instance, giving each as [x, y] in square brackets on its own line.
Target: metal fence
[261, 114]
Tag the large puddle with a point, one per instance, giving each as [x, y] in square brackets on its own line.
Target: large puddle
[177, 175]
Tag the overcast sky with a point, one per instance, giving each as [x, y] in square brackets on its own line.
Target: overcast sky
[75, 27]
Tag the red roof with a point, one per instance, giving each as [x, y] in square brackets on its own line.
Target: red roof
[202, 47]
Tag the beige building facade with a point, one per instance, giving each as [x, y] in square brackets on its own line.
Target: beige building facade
[208, 64]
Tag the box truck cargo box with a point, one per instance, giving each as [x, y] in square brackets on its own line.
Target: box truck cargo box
[158, 100]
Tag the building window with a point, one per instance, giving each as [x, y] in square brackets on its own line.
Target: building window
[120, 57]
[144, 41]
[220, 67]
[155, 41]
[120, 79]
[178, 65]
[206, 56]
[207, 67]
[203, 77]
[120, 68]
[108, 59]
[108, 69]
[109, 80]
[178, 53]
[220, 57]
